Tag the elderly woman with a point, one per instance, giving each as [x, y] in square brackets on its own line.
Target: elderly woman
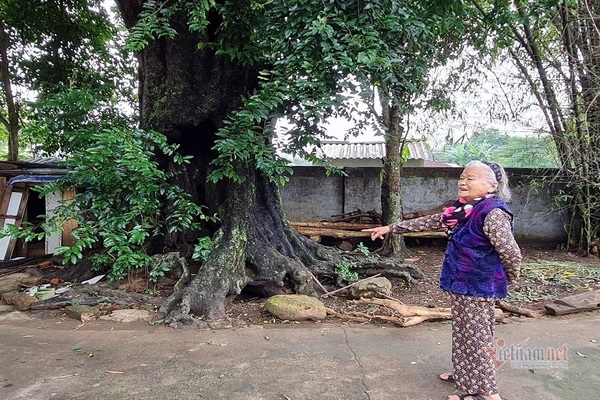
[481, 259]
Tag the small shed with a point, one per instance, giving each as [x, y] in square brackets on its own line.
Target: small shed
[18, 204]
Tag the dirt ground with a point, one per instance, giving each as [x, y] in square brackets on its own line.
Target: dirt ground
[548, 274]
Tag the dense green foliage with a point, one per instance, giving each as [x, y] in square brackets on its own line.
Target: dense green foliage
[316, 59]
[510, 151]
[81, 112]
[50, 46]
[121, 194]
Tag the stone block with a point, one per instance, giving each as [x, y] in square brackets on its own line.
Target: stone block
[82, 313]
[296, 307]
[8, 297]
[31, 280]
[371, 288]
[23, 301]
[12, 282]
[128, 315]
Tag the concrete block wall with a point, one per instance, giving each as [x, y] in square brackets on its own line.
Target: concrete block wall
[311, 195]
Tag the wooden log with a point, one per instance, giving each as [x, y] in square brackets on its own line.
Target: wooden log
[518, 310]
[314, 232]
[344, 228]
[334, 233]
[350, 226]
[358, 215]
[409, 315]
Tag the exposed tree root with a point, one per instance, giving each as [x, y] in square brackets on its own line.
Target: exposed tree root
[405, 315]
[398, 313]
[256, 249]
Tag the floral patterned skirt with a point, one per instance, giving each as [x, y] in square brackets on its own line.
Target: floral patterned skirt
[472, 344]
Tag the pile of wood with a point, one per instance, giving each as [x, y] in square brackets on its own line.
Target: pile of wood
[359, 216]
[350, 225]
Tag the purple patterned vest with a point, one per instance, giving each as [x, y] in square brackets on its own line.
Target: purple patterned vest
[472, 265]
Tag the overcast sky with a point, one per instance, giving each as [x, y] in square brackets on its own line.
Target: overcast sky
[492, 106]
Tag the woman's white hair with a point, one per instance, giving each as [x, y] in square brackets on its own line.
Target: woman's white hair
[495, 174]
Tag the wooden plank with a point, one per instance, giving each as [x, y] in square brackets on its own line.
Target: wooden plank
[63, 238]
[53, 240]
[5, 200]
[67, 237]
[333, 225]
[346, 234]
[10, 204]
[5, 241]
[19, 212]
[334, 233]
[581, 300]
[20, 249]
[587, 301]
[3, 187]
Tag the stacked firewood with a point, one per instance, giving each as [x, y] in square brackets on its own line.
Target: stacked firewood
[350, 225]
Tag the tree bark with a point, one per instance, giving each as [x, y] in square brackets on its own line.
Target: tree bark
[11, 122]
[391, 189]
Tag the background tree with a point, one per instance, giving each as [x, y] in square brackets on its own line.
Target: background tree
[417, 53]
[46, 47]
[555, 47]
[510, 151]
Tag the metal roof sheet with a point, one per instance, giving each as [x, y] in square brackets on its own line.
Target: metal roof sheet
[371, 150]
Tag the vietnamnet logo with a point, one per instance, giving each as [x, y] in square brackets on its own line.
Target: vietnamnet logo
[520, 356]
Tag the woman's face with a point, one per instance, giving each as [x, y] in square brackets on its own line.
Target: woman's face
[473, 183]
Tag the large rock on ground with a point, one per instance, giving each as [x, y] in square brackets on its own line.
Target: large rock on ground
[8, 297]
[128, 315]
[12, 282]
[82, 313]
[296, 307]
[31, 280]
[376, 287]
[23, 301]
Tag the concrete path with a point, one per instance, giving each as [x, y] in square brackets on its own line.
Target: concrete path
[48, 357]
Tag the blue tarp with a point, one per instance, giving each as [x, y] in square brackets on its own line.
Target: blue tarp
[32, 179]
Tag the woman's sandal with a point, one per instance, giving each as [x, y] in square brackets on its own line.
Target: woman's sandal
[470, 397]
[449, 378]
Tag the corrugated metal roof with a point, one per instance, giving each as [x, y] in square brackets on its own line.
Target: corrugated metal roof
[371, 150]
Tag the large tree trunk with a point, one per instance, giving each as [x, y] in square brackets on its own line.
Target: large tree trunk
[254, 248]
[186, 94]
